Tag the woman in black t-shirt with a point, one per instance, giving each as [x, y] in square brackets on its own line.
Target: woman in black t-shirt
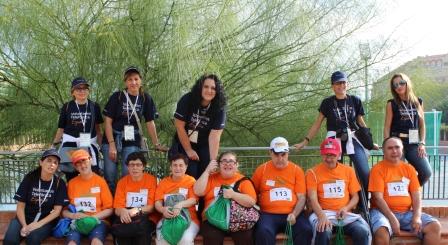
[122, 128]
[40, 198]
[200, 119]
[78, 127]
[405, 119]
[344, 114]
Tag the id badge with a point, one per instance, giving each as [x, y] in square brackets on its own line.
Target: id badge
[84, 140]
[193, 136]
[37, 217]
[129, 133]
[413, 136]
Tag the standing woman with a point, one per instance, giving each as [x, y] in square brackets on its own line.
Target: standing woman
[200, 119]
[344, 114]
[121, 126]
[78, 126]
[405, 119]
[40, 198]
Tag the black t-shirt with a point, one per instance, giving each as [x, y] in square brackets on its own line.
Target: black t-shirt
[70, 118]
[199, 118]
[335, 111]
[402, 115]
[120, 111]
[29, 192]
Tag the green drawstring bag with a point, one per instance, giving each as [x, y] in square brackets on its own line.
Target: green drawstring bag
[173, 229]
[340, 239]
[218, 213]
[288, 232]
[85, 225]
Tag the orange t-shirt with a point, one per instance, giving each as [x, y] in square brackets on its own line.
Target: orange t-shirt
[214, 184]
[183, 186]
[91, 196]
[333, 186]
[278, 188]
[396, 182]
[131, 193]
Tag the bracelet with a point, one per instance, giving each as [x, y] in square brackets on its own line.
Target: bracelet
[112, 141]
[307, 139]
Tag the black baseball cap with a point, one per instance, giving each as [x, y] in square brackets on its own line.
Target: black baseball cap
[131, 69]
[79, 81]
[50, 152]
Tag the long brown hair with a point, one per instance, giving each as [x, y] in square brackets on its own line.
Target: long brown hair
[410, 96]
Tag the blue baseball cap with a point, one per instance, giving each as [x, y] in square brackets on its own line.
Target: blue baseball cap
[338, 76]
[50, 152]
[79, 81]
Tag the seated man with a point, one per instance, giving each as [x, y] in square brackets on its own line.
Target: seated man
[280, 186]
[333, 192]
[396, 201]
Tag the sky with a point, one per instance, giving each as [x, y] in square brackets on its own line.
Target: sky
[420, 26]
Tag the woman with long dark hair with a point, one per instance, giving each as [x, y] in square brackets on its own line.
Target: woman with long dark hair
[405, 119]
[199, 120]
[40, 198]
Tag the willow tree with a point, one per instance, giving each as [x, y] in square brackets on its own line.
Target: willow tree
[273, 56]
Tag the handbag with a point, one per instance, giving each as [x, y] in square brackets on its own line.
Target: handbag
[242, 218]
[173, 229]
[137, 227]
[365, 137]
[62, 228]
[217, 213]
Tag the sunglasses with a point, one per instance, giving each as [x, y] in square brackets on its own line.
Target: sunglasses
[399, 84]
[230, 161]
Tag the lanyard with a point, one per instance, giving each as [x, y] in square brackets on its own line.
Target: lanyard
[46, 195]
[133, 106]
[409, 112]
[83, 120]
[345, 110]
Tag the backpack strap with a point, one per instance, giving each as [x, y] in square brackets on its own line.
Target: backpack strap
[238, 182]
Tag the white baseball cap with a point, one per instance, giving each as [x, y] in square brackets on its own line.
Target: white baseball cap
[279, 144]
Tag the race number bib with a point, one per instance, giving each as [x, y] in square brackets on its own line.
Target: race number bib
[216, 191]
[413, 136]
[136, 199]
[183, 191]
[85, 204]
[84, 140]
[334, 190]
[280, 194]
[398, 189]
[193, 136]
[129, 133]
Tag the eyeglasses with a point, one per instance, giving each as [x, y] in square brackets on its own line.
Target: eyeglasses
[399, 84]
[279, 153]
[135, 165]
[229, 161]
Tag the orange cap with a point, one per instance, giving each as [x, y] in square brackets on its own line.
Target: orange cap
[79, 155]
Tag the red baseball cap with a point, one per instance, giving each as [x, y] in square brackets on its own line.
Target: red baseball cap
[330, 146]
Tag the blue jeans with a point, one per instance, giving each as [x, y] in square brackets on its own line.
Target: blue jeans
[361, 164]
[420, 164]
[98, 232]
[13, 237]
[356, 230]
[270, 224]
[111, 168]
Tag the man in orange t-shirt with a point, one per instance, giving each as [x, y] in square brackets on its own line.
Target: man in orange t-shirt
[333, 192]
[280, 185]
[396, 201]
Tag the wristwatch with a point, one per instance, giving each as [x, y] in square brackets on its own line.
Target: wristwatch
[140, 211]
[421, 143]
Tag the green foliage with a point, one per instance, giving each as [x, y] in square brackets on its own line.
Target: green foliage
[274, 57]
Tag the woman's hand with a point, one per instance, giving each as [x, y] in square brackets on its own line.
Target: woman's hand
[125, 216]
[228, 193]
[300, 145]
[112, 152]
[161, 148]
[168, 212]
[192, 155]
[212, 167]
[421, 151]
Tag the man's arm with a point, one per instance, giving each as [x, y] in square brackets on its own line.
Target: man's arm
[382, 206]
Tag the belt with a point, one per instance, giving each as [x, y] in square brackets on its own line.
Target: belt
[400, 135]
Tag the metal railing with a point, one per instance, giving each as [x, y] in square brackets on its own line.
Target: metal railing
[15, 165]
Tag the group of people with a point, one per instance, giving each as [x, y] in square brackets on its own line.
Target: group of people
[280, 188]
